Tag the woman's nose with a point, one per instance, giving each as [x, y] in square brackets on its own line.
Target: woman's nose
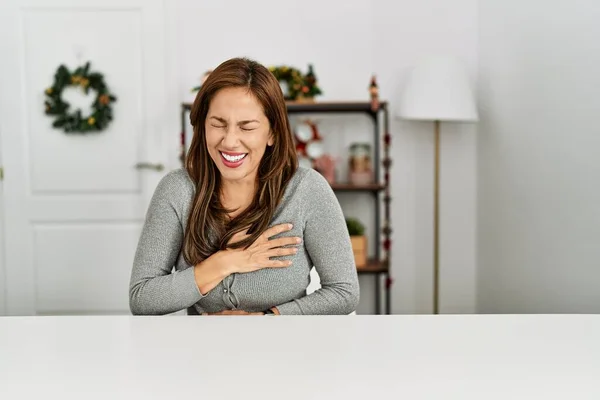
[230, 140]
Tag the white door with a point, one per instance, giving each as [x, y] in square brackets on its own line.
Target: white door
[74, 204]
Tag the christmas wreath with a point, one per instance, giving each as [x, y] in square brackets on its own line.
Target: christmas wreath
[294, 84]
[73, 120]
[290, 80]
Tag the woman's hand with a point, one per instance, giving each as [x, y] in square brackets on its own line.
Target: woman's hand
[233, 312]
[258, 255]
[215, 268]
[241, 312]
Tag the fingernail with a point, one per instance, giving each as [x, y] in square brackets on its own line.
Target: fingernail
[298, 240]
[295, 250]
[290, 226]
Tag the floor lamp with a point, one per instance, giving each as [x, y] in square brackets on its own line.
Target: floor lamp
[437, 90]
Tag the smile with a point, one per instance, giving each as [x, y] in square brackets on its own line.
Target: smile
[233, 157]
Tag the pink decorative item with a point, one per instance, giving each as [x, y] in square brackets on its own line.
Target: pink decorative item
[326, 166]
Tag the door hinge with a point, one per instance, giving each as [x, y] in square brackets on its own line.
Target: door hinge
[1, 173]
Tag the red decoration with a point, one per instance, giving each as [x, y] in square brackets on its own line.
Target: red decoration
[388, 282]
[387, 244]
[309, 144]
[387, 139]
[315, 130]
[301, 148]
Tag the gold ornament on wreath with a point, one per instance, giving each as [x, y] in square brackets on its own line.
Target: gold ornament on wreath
[295, 85]
[72, 121]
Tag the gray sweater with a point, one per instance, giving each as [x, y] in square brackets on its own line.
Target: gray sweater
[162, 282]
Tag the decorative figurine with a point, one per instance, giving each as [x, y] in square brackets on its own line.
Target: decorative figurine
[374, 92]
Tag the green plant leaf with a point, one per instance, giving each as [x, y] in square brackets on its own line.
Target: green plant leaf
[355, 227]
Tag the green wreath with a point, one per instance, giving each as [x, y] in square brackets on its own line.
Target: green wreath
[295, 85]
[292, 78]
[72, 121]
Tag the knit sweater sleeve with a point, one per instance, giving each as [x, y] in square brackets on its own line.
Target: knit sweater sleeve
[327, 242]
[154, 287]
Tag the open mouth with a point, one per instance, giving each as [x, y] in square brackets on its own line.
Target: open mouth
[233, 159]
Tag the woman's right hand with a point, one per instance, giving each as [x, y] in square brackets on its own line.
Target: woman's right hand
[258, 255]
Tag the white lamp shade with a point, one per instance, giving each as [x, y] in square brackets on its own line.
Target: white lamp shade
[438, 89]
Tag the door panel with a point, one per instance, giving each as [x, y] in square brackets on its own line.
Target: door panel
[75, 203]
[72, 163]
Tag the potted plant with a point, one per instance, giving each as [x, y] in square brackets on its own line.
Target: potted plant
[359, 241]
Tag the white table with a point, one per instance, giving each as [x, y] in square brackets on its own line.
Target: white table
[354, 357]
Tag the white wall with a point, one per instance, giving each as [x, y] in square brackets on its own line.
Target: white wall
[539, 157]
[347, 41]
[2, 267]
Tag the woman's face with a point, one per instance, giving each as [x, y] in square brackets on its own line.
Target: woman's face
[237, 134]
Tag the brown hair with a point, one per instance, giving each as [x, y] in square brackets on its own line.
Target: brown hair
[276, 168]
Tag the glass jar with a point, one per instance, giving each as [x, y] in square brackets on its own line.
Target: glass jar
[360, 171]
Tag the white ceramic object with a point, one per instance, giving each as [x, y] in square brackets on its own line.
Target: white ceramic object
[304, 132]
[315, 149]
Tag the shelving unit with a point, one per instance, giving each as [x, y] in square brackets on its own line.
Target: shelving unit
[379, 266]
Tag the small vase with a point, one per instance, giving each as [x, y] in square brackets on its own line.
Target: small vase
[359, 247]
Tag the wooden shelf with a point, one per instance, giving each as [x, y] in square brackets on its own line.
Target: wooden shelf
[324, 107]
[333, 107]
[347, 187]
[374, 267]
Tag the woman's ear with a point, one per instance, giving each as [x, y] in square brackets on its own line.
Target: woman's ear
[271, 140]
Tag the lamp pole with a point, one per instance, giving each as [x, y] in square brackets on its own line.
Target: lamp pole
[436, 222]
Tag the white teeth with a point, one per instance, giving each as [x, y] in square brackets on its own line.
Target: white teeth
[233, 158]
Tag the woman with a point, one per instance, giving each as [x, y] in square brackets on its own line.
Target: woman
[242, 224]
